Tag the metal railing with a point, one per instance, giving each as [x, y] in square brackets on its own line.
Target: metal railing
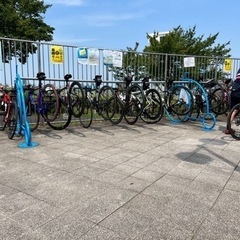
[33, 57]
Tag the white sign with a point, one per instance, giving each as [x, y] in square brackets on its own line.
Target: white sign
[1, 63]
[189, 62]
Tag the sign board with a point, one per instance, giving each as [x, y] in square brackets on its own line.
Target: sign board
[228, 65]
[57, 55]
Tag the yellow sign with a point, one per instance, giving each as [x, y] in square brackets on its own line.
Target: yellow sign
[57, 54]
[228, 65]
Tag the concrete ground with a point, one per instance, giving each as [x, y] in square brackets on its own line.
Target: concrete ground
[160, 181]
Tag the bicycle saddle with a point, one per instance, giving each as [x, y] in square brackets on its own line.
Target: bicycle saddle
[67, 76]
[98, 80]
[41, 75]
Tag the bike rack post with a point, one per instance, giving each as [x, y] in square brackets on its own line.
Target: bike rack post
[22, 122]
[207, 113]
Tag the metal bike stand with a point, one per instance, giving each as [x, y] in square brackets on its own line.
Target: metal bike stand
[22, 122]
[207, 116]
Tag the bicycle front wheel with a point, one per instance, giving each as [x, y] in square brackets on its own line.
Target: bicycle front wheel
[180, 100]
[76, 100]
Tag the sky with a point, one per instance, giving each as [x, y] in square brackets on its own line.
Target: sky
[118, 24]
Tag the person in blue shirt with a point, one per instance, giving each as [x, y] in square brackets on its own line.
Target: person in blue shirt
[234, 96]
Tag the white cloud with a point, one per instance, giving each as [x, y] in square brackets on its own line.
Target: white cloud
[67, 2]
[109, 20]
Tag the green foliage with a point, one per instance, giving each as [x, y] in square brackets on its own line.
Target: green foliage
[23, 19]
[180, 41]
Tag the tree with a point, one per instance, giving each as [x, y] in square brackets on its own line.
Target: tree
[185, 42]
[180, 41]
[23, 19]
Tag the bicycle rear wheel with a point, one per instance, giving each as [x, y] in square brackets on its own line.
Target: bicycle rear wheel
[115, 111]
[87, 115]
[2, 121]
[12, 120]
[153, 111]
[76, 100]
[233, 122]
[136, 101]
[106, 97]
[64, 117]
[33, 115]
[50, 103]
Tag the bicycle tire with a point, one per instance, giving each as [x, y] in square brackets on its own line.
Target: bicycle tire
[2, 121]
[218, 104]
[33, 115]
[153, 111]
[116, 107]
[130, 119]
[180, 100]
[106, 97]
[135, 100]
[233, 122]
[64, 116]
[76, 99]
[50, 103]
[12, 120]
[87, 116]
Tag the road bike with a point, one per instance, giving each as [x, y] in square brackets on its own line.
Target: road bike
[71, 103]
[130, 102]
[99, 100]
[41, 101]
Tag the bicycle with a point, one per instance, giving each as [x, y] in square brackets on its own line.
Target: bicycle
[98, 99]
[71, 103]
[153, 111]
[41, 101]
[8, 112]
[130, 102]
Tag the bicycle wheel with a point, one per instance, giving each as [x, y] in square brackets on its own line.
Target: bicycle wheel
[180, 100]
[129, 118]
[106, 97]
[153, 111]
[135, 101]
[50, 103]
[76, 100]
[64, 117]
[2, 121]
[115, 110]
[218, 102]
[12, 120]
[233, 122]
[33, 115]
[87, 115]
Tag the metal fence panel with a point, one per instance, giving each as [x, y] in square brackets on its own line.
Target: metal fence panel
[32, 57]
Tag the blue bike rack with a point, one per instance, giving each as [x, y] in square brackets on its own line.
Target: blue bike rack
[22, 122]
[207, 114]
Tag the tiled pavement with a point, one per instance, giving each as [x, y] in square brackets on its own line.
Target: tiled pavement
[160, 181]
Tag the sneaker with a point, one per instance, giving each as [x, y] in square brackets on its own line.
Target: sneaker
[227, 131]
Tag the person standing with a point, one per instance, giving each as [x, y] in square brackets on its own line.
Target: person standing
[234, 96]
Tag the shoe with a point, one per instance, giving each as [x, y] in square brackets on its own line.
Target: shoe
[227, 131]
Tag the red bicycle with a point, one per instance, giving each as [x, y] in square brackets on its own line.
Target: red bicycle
[8, 112]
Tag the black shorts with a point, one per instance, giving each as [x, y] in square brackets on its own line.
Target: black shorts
[234, 99]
